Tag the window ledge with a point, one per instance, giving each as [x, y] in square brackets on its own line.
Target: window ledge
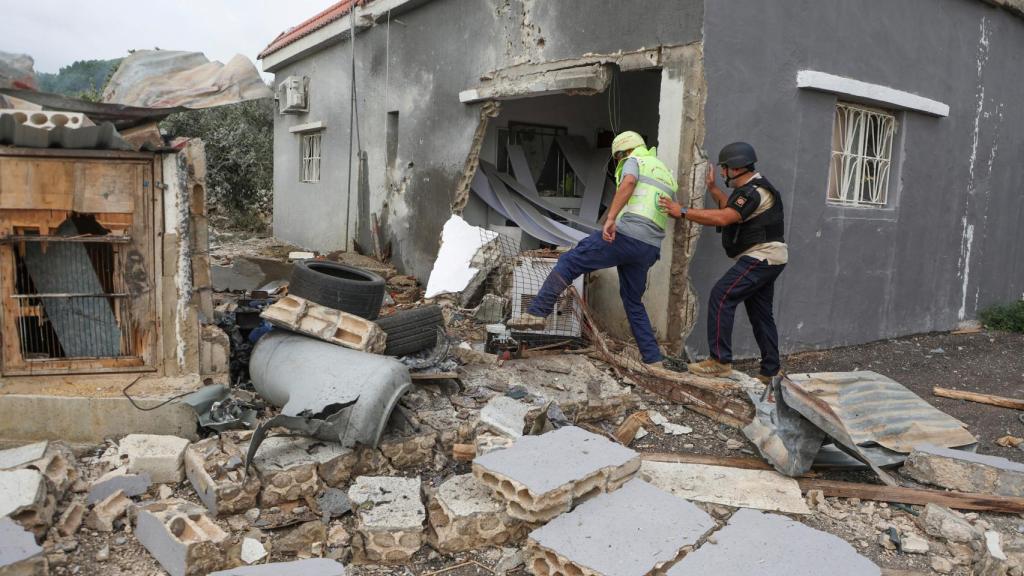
[307, 127]
[873, 93]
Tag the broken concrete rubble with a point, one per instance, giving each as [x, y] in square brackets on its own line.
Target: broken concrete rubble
[307, 567]
[214, 468]
[181, 537]
[71, 519]
[453, 271]
[334, 326]
[407, 451]
[19, 553]
[540, 477]
[507, 416]
[944, 523]
[301, 539]
[465, 515]
[776, 546]
[108, 511]
[637, 529]
[118, 479]
[583, 391]
[287, 471]
[16, 457]
[162, 457]
[22, 490]
[389, 518]
[761, 489]
[965, 471]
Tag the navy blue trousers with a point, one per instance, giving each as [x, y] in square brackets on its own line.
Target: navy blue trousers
[752, 282]
[632, 258]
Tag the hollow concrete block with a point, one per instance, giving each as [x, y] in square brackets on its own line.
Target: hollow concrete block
[214, 466]
[464, 515]
[162, 457]
[181, 537]
[389, 518]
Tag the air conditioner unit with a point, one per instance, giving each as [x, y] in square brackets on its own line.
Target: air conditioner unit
[528, 274]
[293, 95]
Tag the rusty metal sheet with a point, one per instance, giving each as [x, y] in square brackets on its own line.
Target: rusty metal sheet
[871, 415]
[168, 79]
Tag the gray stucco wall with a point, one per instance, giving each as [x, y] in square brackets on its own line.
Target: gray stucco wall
[951, 241]
[438, 49]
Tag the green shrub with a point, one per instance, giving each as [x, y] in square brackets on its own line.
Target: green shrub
[1009, 317]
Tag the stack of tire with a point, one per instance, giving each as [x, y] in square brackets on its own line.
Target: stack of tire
[361, 292]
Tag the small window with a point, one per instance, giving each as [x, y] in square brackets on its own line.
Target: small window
[310, 170]
[861, 156]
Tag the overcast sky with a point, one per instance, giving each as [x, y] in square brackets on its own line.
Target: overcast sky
[58, 32]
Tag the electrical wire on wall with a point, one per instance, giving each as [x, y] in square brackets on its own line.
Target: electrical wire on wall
[613, 101]
[353, 121]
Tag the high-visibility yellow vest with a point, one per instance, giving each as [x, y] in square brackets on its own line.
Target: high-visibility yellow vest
[655, 180]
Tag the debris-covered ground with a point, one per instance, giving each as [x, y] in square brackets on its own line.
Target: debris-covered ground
[521, 461]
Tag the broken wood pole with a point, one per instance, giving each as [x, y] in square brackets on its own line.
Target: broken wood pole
[916, 496]
[979, 398]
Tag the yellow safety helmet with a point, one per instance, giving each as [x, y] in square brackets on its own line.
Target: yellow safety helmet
[626, 141]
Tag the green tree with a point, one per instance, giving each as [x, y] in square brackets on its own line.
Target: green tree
[239, 141]
[82, 79]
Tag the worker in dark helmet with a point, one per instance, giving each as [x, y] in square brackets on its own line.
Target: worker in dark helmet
[751, 222]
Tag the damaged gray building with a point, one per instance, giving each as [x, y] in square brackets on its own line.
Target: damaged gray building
[891, 128]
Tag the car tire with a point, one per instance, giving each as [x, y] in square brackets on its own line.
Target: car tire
[409, 331]
[338, 286]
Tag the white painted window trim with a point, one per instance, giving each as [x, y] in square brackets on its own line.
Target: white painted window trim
[310, 147]
[874, 93]
[858, 176]
[307, 127]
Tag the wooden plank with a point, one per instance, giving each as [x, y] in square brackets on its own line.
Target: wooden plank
[34, 184]
[745, 462]
[627, 431]
[463, 452]
[916, 496]
[10, 151]
[989, 399]
[719, 407]
[434, 375]
[106, 186]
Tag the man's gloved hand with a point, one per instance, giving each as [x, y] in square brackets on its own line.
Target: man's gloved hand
[670, 207]
[608, 232]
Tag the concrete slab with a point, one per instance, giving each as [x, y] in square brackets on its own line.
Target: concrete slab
[541, 476]
[965, 471]
[15, 457]
[630, 532]
[19, 553]
[761, 489]
[773, 545]
[88, 410]
[19, 490]
[317, 566]
[159, 455]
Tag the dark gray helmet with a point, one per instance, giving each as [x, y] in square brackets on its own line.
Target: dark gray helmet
[737, 155]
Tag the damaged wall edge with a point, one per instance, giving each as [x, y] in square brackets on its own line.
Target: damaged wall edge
[682, 304]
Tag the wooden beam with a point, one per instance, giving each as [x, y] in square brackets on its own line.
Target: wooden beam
[745, 462]
[463, 452]
[434, 375]
[627, 431]
[712, 384]
[979, 398]
[916, 496]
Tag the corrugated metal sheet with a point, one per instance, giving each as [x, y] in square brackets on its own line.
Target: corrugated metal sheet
[119, 115]
[872, 415]
[171, 79]
[103, 137]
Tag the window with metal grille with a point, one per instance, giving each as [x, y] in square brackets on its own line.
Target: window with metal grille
[861, 155]
[70, 295]
[310, 169]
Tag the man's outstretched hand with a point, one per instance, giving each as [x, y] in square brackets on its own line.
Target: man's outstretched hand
[608, 232]
[672, 208]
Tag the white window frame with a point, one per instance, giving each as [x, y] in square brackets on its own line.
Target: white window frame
[861, 158]
[310, 149]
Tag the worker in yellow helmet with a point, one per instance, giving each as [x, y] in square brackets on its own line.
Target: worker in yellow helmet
[630, 240]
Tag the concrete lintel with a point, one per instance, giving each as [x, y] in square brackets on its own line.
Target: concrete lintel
[872, 93]
[307, 127]
[336, 31]
[588, 80]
